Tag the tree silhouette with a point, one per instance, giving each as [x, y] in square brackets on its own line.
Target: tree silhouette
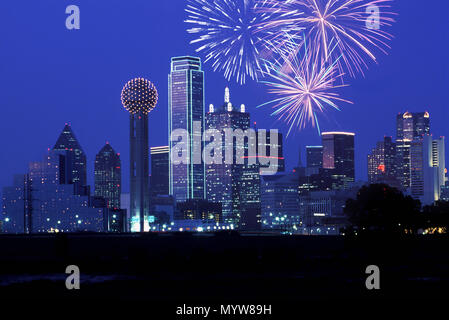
[380, 208]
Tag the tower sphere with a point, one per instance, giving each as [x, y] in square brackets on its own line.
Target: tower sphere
[139, 95]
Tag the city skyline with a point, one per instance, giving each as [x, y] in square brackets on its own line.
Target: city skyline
[376, 102]
[213, 158]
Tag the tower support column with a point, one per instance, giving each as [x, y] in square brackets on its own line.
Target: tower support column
[139, 170]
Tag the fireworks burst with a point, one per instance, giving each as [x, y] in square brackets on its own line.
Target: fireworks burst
[305, 86]
[230, 34]
[354, 27]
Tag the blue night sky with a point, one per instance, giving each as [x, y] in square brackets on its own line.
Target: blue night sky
[50, 75]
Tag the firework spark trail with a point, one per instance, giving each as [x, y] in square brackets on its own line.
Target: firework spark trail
[230, 35]
[304, 85]
[339, 23]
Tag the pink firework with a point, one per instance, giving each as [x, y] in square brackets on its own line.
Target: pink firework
[357, 28]
[304, 85]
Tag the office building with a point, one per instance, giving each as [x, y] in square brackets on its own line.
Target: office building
[382, 163]
[186, 112]
[409, 127]
[314, 156]
[280, 202]
[412, 126]
[55, 205]
[159, 180]
[108, 176]
[235, 184]
[426, 180]
[74, 165]
[16, 206]
[338, 157]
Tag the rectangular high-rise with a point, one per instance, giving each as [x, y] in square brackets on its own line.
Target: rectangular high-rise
[338, 156]
[409, 127]
[108, 176]
[159, 180]
[382, 163]
[423, 175]
[314, 156]
[186, 110]
[232, 184]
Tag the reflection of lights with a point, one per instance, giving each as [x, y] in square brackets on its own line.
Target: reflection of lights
[7, 219]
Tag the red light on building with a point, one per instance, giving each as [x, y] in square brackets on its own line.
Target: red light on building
[381, 168]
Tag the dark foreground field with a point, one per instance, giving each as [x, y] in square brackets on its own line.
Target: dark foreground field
[221, 268]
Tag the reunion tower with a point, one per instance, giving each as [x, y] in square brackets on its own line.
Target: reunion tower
[139, 97]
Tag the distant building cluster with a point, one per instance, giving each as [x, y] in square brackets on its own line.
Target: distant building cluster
[54, 196]
[414, 163]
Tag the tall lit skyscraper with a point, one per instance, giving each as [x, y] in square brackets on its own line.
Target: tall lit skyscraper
[412, 126]
[108, 176]
[338, 156]
[224, 180]
[409, 127]
[139, 97]
[439, 159]
[425, 181]
[382, 163]
[186, 109]
[75, 165]
[159, 171]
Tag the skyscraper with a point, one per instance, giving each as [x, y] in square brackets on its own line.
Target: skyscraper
[74, 164]
[159, 171]
[439, 159]
[139, 97]
[382, 163]
[224, 180]
[412, 126]
[186, 110]
[409, 127]
[314, 156]
[108, 176]
[424, 176]
[338, 156]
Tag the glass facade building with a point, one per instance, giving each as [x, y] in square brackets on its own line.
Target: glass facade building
[314, 155]
[159, 179]
[186, 109]
[338, 157]
[382, 163]
[75, 163]
[108, 176]
[235, 184]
